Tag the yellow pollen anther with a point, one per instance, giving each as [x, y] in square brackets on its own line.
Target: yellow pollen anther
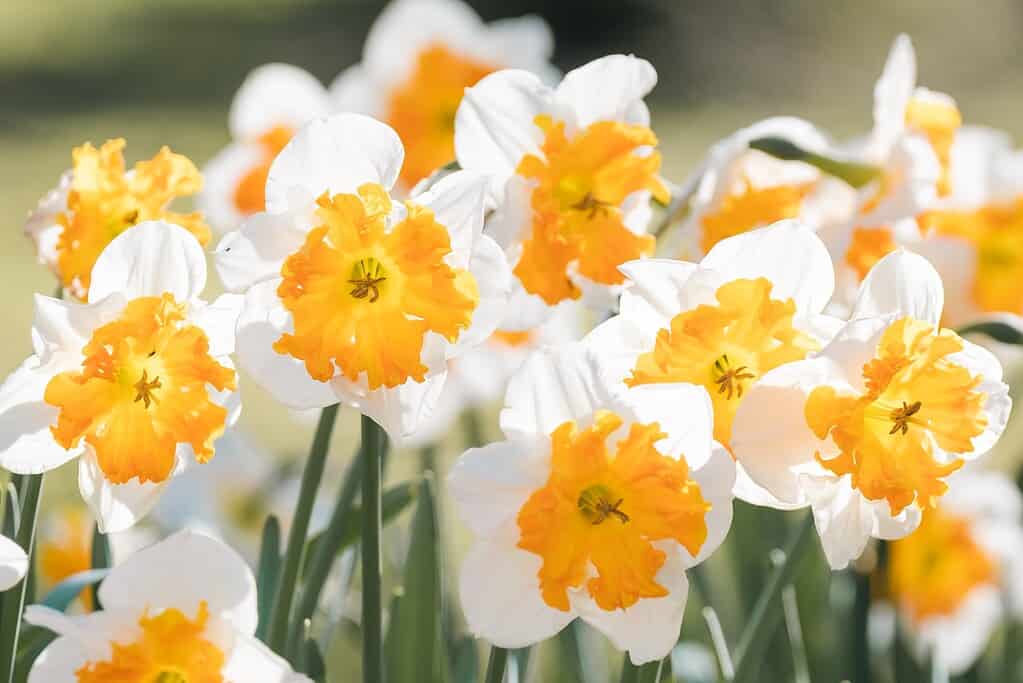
[367, 276]
[900, 416]
[146, 388]
[728, 379]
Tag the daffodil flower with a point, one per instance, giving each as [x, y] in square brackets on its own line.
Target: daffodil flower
[182, 609]
[353, 297]
[753, 303]
[594, 507]
[960, 574]
[867, 431]
[274, 101]
[98, 199]
[136, 382]
[13, 563]
[573, 169]
[419, 57]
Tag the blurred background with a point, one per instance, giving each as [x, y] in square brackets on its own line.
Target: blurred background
[165, 73]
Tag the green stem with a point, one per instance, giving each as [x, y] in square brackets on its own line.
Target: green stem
[645, 673]
[495, 665]
[14, 599]
[861, 646]
[763, 623]
[101, 559]
[372, 600]
[1010, 650]
[280, 613]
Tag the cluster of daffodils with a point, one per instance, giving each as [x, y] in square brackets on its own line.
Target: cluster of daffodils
[444, 225]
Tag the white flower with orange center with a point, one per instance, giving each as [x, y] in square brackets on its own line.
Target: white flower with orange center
[867, 431]
[594, 507]
[574, 169]
[753, 303]
[419, 57]
[273, 102]
[182, 610]
[99, 198]
[13, 563]
[137, 381]
[960, 574]
[353, 297]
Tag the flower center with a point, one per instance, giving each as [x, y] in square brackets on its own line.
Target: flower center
[595, 520]
[746, 207]
[171, 648]
[249, 195]
[932, 570]
[868, 246]
[363, 296]
[724, 346]
[422, 109]
[578, 223]
[112, 401]
[938, 119]
[886, 458]
[105, 200]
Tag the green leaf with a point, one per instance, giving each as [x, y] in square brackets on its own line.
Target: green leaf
[467, 661]
[267, 571]
[855, 174]
[315, 666]
[65, 592]
[101, 559]
[997, 330]
[413, 639]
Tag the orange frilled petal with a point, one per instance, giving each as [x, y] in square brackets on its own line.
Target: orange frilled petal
[250, 192]
[363, 298]
[868, 246]
[607, 511]
[751, 207]
[144, 388]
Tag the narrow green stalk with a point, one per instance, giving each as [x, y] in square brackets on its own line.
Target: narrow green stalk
[14, 599]
[495, 665]
[860, 645]
[1010, 651]
[101, 559]
[646, 673]
[763, 622]
[280, 613]
[372, 600]
[800, 663]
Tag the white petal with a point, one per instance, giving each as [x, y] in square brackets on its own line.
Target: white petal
[652, 296]
[853, 346]
[167, 574]
[220, 178]
[63, 327]
[116, 507]
[42, 225]
[893, 91]
[91, 633]
[257, 251]
[913, 162]
[275, 95]
[955, 260]
[59, 662]
[492, 483]
[843, 520]
[262, 322]
[401, 411]
[500, 595]
[788, 254]
[997, 405]
[606, 89]
[683, 412]
[649, 629]
[524, 311]
[150, 259]
[526, 42]
[903, 284]
[353, 90]
[512, 221]
[251, 660]
[716, 478]
[493, 282]
[219, 320]
[617, 343]
[457, 201]
[958, 639]
[336, 154]
[26, 443]
[13, 563]
[893, 527]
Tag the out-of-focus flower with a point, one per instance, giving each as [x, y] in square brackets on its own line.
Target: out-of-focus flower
[352, 297]
[753, 303]
[182, 609]
[953, 577]
[137, 381]
[574, 169]
[274, 101]
[419, 57]
[98, 199]
[593, 507]
[13, 563]
[867, 431]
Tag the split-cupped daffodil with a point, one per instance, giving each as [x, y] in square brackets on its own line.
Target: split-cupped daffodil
[867, 431]
[99, 198]
[419, 57]
[137, 381]
[354, 297]
[181, 610]
[753, 303]
[573, 169]
[594, 507]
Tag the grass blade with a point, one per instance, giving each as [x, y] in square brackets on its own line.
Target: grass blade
[373, 444]
[267, 572]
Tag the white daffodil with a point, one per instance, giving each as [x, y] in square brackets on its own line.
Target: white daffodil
[573, 169]
[99, 199]
[753, 303]
[737, 189]
[137, 381]
[274, 101]
[866, 431]
[352, 297]
[182, 609]
[594, 507]
[955, 576]
[419, 57]
[13, 563]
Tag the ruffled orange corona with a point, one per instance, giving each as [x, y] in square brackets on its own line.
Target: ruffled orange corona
[249, 195]
[581, 184]
[363, 297]
[725, 347]
[938, 119]
[144, 388]
[606, 511]
[749, 208]
[868, 246]
[915, 398]
[105, 200]
[66, 549]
